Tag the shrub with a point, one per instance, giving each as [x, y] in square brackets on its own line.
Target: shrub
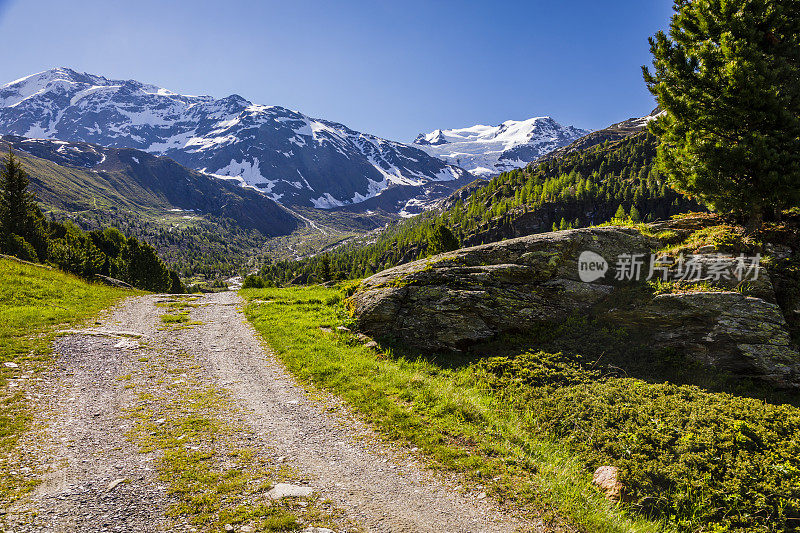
[729, 463]
[19, 248]
[704, 461]
[534, 370]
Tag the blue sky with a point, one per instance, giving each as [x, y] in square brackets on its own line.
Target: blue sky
[389, 68]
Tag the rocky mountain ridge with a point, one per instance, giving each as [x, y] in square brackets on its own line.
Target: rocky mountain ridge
[489, 150]
[288, 156]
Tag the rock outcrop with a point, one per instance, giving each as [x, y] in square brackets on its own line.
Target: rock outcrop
[741, 335]
[454, 300]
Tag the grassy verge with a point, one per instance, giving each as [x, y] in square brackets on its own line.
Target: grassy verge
[34, 301]
[456, 419]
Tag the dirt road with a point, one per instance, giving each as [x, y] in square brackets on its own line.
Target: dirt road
[99, 480]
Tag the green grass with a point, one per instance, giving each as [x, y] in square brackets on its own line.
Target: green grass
[213, 485]
[456, 420]
[34, 302]
[180, 318]
[178, 315]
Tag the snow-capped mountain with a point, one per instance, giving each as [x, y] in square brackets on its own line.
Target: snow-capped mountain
[490, 150]
[80, 174]
[292, 158]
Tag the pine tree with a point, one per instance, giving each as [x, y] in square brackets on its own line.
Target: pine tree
[15, 200]
[634, 215]
[21, 231]
[620, 215]
[441, 240]
[727, 76]
[324, 269]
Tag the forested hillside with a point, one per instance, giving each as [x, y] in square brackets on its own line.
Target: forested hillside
[612, 180]
[198, 224]
[30, 236]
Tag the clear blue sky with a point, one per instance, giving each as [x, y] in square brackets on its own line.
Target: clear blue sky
[390, 68]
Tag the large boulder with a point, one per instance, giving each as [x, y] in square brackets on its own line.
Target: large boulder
[452, 300]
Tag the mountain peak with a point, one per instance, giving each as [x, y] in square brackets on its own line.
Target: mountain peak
[288, 156]
[488, 150]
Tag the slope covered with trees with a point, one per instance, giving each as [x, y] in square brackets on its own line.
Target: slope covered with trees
[199, 224]
[26, 234]
[612, 180]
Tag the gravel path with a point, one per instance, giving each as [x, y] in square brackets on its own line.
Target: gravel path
[94, 478]
[377, 485]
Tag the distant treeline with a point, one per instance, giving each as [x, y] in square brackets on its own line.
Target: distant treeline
[26, 234]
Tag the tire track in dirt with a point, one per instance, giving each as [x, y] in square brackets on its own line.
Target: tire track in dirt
[381, 485]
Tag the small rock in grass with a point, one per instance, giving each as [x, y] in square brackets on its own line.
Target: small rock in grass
[228, 527]
[606, 478]
[317, 530]
[127, 343]
[246, 529]
[371, 344]
[117, 482]
[342, 329]
[9, 364]
[286, 490]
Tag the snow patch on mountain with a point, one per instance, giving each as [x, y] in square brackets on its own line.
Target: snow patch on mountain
[266, 147]
[489, 150]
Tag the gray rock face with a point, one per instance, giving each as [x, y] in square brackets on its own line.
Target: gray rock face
[473, 294]
[742, 335]
[452, 300]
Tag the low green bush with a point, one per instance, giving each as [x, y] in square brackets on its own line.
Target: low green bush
[704, 461]
[534, 370]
